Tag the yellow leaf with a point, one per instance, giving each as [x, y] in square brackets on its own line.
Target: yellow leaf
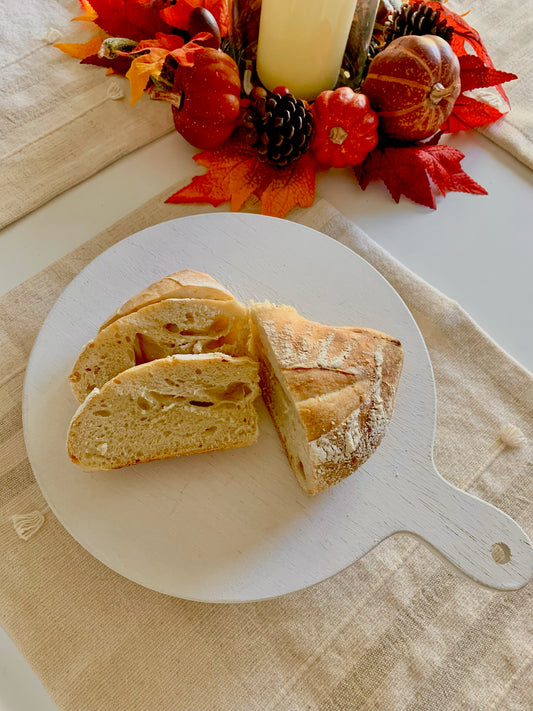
[142, 68]
[90, 14]
[83, 50]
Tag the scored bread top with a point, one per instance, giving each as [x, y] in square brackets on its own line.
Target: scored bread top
[185, 284]
[342, 381]
[329, 368]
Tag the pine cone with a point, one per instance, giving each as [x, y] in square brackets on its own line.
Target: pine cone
[279, 127]
[416, 19]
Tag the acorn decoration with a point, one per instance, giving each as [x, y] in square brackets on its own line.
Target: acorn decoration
[201, 20]
[278, 126]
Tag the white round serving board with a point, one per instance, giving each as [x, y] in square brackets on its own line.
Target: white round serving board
[235, 526]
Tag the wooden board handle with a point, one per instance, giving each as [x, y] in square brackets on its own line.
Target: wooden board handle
[479, 539]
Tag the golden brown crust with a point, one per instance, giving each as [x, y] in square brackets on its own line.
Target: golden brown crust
[204, 450]
[341, 381]
[160, 329]
[185, 284]
[126, 422]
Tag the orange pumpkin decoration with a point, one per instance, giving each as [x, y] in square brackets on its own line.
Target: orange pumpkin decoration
[206, 98]
[345, 129]
[412, 85]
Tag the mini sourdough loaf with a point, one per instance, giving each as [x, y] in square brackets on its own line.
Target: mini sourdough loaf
[186, 312]
[330, 390]
[182, 404]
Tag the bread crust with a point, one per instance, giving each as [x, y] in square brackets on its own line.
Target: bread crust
[144, 335]
[139, 415]
[341, 381]
[184, 284]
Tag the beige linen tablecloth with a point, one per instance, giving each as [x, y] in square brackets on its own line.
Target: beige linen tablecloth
[396, 631]
[61, 121]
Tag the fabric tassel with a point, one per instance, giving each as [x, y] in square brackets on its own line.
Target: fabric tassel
[114, 91]
[509, 437]
[26, 525]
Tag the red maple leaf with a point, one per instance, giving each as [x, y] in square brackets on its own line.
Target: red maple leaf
[120, 65]
[414, 171]
[134, 19]
[234, 174]
[476, 74]
[177, 15]
[469, 113]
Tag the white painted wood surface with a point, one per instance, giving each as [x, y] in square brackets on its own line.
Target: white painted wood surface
[235, 526]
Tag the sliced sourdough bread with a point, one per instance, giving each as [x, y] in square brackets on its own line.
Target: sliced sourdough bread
[157, 330]
[182, 404]
[330, 390]
[185, 284]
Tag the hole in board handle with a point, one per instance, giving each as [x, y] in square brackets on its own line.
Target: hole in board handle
[501, 553]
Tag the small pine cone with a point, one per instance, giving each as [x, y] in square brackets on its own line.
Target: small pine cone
[416, 19]
[279, 127]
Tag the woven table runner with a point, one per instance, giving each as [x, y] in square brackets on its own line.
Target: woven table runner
[398, 630]
[62, 121]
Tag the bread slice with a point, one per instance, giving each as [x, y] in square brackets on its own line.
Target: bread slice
[182, 404]
[330, 390]
[185, 284]
[160, 329]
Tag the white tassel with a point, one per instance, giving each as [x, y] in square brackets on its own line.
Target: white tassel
[53, 35]
[513, 437]
[26, 525]
[510, 437]
[114, 91]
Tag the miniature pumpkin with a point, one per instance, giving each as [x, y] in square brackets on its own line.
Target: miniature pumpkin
[412, 85]
[206, 98]
[345, 129]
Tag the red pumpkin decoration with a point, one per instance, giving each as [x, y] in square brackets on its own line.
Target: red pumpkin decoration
[206, 98]
[345, 129]
[412, 85]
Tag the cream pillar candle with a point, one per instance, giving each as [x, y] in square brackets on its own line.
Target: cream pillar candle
[301, 44]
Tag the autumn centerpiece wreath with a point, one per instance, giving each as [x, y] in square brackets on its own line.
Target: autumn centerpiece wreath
[423, 63]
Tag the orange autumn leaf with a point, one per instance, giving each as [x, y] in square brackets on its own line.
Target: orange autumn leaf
[144, 67]
[149, 57]
[81, 50]
[293, 186]
[234, 174]
[89, 16]
[170, 42]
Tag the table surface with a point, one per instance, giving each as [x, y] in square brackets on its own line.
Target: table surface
[477, 250]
